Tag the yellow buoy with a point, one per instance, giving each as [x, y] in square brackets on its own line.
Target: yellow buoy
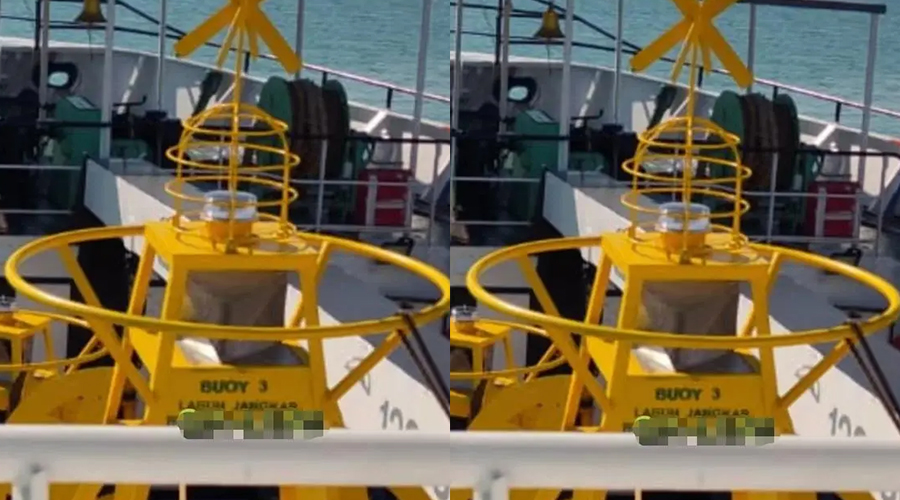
[228, 255]
[677, 355]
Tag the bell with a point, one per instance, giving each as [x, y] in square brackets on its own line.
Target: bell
[550, 29]
[90, 13]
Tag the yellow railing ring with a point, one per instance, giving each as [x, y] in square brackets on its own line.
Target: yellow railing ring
[226, 113]
[700, 127]
[222, 332]
[510, 372]
[57, 363]
[177, 155]
[743, 205]
[815, 336]
[745, 172]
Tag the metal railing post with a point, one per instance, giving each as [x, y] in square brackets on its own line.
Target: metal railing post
[320, 195]
[435, 191]
[772, 186]
[881, 205]
[867, 92]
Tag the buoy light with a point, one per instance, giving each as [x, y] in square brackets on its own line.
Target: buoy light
[225, 208]
[463, 318]
[7, 311]
[678, 233]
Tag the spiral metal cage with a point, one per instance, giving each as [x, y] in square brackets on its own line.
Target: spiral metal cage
[665, 168]
[246, 192]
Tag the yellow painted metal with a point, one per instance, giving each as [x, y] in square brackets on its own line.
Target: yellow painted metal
[592, 243]
[537, 405]
[724, 192]
[245, 21]
[174, 382]
[491, 331]
[269, 181]
[221, 332]
[629, 390]
[478, 345]
[20, 328]
[251, 236]
[697, 34]
[76, 398]
[680, 247]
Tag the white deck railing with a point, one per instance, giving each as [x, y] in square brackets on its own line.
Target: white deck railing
[31, 457]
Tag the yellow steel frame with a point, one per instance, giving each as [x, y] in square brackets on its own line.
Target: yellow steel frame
[610, 347]
[18, 333]
[701, 252]
[66, 401]
[171, 378]
[198, 133]
[489, 333]
[31, 324]
[628, 386]
[258, 242]
[243, 19]
[697, 33]
[62, 242]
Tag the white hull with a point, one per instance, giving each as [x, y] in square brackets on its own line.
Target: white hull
[592, 93]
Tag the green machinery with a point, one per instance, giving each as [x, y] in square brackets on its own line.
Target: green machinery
[529, 158]
[70, 145]
[73, 143]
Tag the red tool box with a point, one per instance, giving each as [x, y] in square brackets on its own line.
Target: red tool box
[390, 201]
[839, 213]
